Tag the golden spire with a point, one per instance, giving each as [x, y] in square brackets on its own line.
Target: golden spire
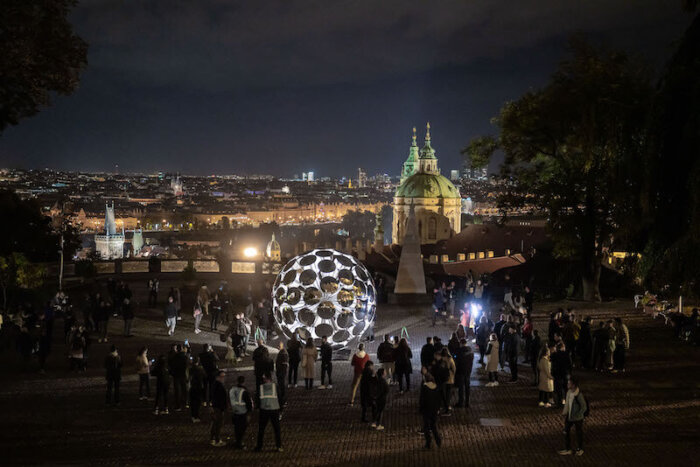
[414, 134]
[427, 131]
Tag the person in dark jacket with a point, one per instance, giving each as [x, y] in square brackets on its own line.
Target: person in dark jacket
[179, 367]
[464, 362]
[380, 399]
[429, 406]
[294, 350]
[160, 371]
[535, 349]
[215, 307]
[600, 344]
[262, 363]
[385, 355]
[368, 390]
[483, 332]
[326, 363]
[242, 407]
[209, 360]
[511, 347]
[561, 369]
[453, 344]
[128, 315]
[219, 404]
[402, 364]
[427, 353]
[281, 369]
[584, 343]
[197, 378]
[113, 373]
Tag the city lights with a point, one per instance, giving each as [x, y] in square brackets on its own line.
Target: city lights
[250, 252]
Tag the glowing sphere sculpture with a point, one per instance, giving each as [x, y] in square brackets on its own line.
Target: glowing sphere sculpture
[324, 293]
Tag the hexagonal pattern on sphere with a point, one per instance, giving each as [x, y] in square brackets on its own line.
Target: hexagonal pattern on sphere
[324, 293]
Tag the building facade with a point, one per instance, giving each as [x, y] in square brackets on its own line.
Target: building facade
[110, 245]
[437, 202]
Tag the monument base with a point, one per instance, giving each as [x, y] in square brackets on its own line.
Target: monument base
[409, 299]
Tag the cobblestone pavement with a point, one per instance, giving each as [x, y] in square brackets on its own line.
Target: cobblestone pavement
[649, 415]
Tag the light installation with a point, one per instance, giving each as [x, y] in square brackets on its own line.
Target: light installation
[324, 293]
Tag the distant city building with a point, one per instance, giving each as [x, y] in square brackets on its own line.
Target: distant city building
[467, 206]
[310, 177]
[437, 203]
[273, 251]
[137, 241]
[176, 185]
[111, 244]
[454, 175]
[361, 178]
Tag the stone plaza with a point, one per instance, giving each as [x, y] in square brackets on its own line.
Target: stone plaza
[648, 415]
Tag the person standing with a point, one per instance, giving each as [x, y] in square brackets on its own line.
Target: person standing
[102, 320]
[359, 359]
[380, 401]
[179, 368]
[492, 360]
[170, 314]
[447, 360]
[209, 360]
[326, 363]
[535, 349]
[128, 315]
[561, 369]
[427, 353]
[402, 364]
[294, 350]
[574, 411]
[429, 406]
[160, 371]
[368, 390]
[262, 363]
[308, 363]
[385, 356]
[219, 404]
[197, 315]
[203, 297]
[511, 346]
[241, 408]
[281, 370]
[113, 373]
[143, 369]
[546, 381]
[622, 344]
[463, 370]
[527, 336]
[269, 413]
[600, 343]
[197, 378]
[215, 312]
[153, 286]
[483, 333]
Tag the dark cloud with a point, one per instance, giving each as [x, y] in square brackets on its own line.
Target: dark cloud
[279, 86]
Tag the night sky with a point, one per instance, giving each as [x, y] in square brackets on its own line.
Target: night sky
[279, 87]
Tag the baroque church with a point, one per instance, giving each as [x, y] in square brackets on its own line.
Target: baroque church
[436, 201]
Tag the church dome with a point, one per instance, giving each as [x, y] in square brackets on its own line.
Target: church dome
[427, 185]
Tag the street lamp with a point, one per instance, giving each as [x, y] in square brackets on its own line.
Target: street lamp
[250, 252]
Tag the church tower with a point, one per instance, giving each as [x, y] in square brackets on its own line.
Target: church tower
[411, 165]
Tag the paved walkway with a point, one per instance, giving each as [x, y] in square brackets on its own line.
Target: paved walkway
[647, 416]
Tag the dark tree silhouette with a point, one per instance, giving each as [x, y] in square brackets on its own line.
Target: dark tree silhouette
[39, 55]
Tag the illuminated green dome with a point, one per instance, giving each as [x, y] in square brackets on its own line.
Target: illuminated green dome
[427, 185]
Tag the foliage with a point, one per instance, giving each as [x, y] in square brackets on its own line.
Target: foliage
[571, 152]
[26, 230]
[671, 196]
[40, 55]
[189, 273]
[16, 271]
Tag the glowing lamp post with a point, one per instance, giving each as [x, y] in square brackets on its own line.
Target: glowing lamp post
[250, 252]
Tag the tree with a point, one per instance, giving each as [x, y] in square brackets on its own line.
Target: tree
[26, 230]
[40, 55]
[671, 192]
[572, 151]
[17, 271]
